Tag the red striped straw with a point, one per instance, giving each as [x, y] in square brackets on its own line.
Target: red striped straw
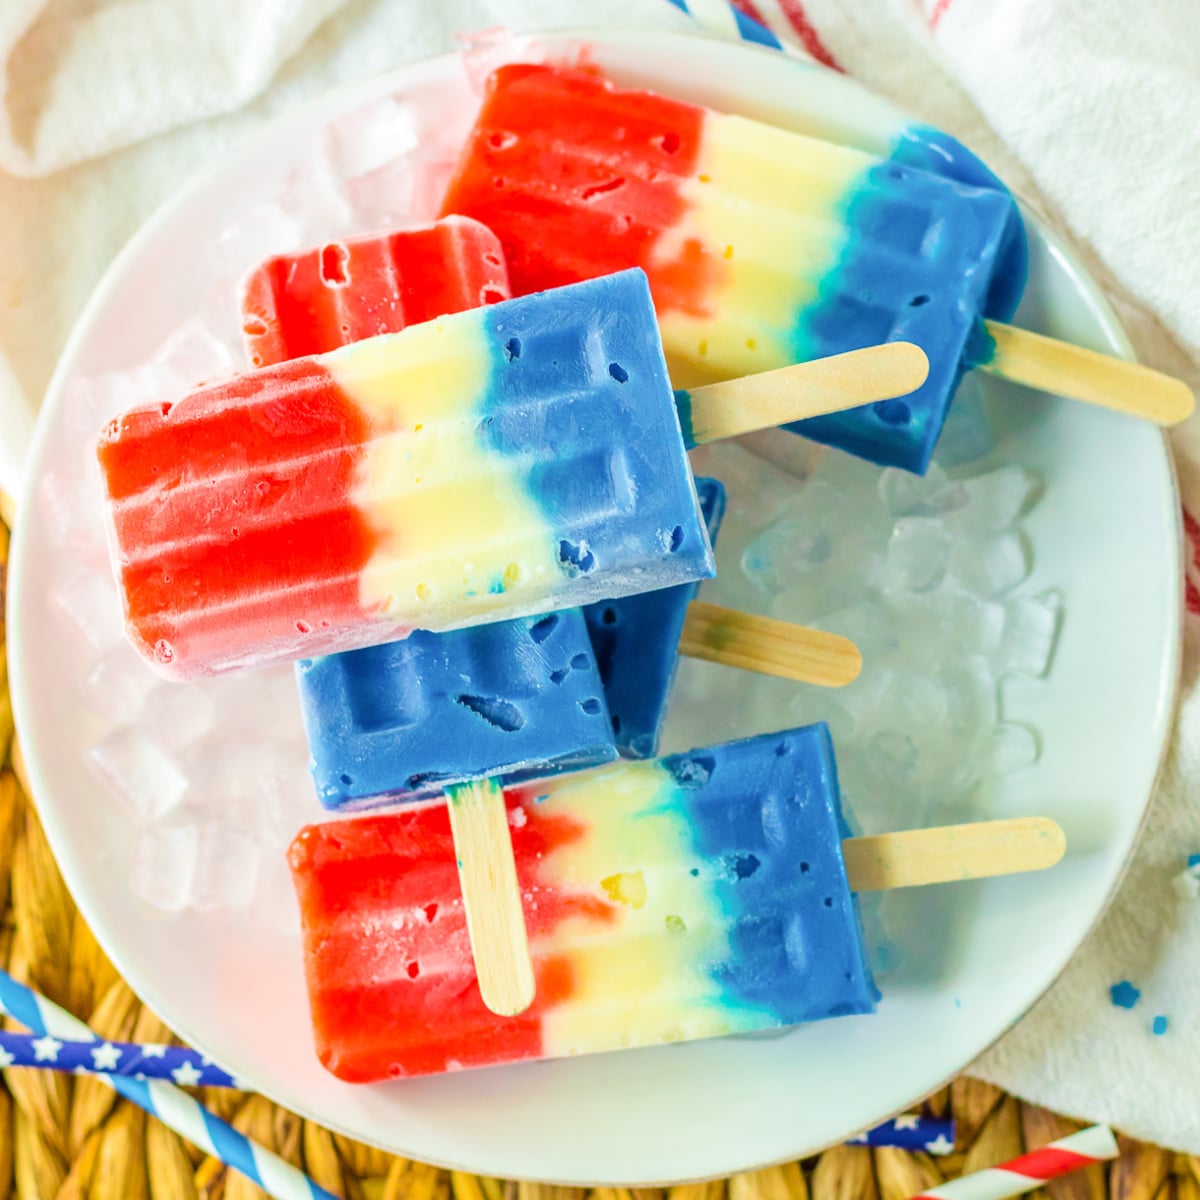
[1031, 1170]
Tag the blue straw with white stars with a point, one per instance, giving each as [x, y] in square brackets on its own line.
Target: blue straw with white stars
[722, 18]
[911, 1132]
[175, 1109]
[133, 1060]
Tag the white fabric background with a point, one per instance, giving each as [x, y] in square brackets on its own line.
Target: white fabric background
[1087, 107]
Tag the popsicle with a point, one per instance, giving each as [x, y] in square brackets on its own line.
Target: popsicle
[344, 291]
[636, 643]
[490, 464]
[691, 896]
[409, 719]
[765, 247]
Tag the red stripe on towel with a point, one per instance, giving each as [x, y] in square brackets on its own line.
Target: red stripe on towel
[938, 12]
[1191, 571]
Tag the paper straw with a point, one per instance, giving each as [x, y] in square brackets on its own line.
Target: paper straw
[136, 1060]
[175, 1109]
[1030, 1171]
[722, 18]
[910, 1132]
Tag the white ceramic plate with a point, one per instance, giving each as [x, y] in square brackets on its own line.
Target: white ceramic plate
[1104, 533]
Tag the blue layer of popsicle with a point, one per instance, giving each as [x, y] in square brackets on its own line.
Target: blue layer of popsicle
[404, 720]
[636, 640]
[925, 263]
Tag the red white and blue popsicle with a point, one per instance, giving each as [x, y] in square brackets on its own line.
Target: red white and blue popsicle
[766, 247]
[691, 896]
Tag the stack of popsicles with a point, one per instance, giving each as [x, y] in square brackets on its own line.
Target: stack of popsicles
[455, 491]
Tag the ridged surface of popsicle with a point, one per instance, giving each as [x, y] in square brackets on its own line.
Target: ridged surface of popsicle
[691, 896]
[313, 301]
[487, 465]
[636, 642]
[763, 247]
[511, 700]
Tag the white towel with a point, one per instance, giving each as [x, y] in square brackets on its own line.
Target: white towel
[1087, 106]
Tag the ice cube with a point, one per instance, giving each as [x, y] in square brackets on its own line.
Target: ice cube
[794, 456]
[226, 868]
[918, 554]
[274, 908]
[972, 699]
[946, 624]
[891, 754]
[430, 179]
[483, 50]
[179, 716]
[261, 787]
[87, 601]
[263, 231]
[930, 495]
[386, 198]
[266, 701]
[148, 783]
[193, 354]
[995, 501]
[711, 703]
[371, 136]
[917, 704]
[967, 435]
[969, 625]
[281, 794]
[164, 865]
[790, 549]
[72, 505]
[993, 565]
[756, 490]
[865, 700]
[92, 400]
[119, 684]
[867, 625]
[810, 705]
[1030, 631]
[225, 777]
[1013, 747]
[316, 199]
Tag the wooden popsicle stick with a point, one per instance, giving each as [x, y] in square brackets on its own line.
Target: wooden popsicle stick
[952, 852]
[808, 389]
[487, 874]
[770, 647]
[1079, 374]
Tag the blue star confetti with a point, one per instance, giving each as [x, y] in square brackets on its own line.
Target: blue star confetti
[1124, 994]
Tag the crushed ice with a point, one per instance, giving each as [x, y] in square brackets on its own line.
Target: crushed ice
[925, 574]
